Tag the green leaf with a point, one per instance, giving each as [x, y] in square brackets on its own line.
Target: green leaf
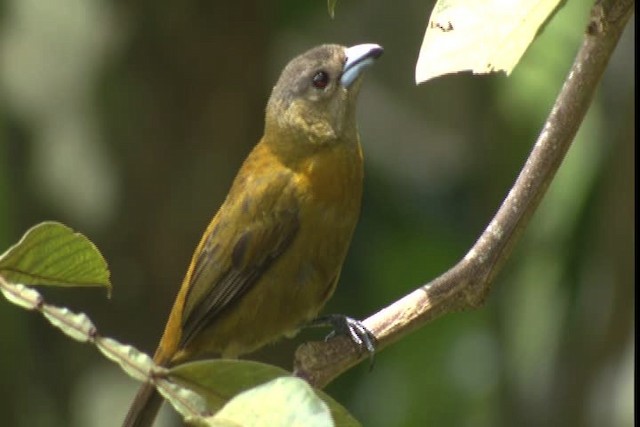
[219, 380]
[481, 36]
[51, 253]
[284, 401]
[331, 6]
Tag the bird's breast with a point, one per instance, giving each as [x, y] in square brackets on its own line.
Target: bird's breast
[331, 181]
[330, 193]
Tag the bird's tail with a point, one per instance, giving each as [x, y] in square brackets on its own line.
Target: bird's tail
[144, 408]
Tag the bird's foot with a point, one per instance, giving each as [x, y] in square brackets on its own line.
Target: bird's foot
[352, 328]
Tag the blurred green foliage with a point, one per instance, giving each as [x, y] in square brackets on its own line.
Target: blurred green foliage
[128, 120]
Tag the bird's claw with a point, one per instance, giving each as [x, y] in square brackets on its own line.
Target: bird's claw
[353, 329]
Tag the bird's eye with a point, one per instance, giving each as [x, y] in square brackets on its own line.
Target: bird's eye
[320, 80]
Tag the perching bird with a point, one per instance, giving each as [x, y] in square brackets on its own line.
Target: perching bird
[271, 257]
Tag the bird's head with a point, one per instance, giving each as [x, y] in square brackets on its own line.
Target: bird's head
[315, 96]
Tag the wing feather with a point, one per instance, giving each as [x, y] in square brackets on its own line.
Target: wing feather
[241, 247]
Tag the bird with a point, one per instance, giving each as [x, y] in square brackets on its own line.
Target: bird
[271, 256]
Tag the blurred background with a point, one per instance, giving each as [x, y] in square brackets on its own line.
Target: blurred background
[127, 121]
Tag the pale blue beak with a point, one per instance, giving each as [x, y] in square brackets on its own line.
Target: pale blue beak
[359, 57]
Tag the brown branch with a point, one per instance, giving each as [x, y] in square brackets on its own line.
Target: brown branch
[468, 282]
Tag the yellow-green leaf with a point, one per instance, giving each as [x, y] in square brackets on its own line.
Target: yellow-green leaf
[134, 362]
[219, 380]
[76, 325]
[184, 400]
[479, 35]
[284, 401]
[20, 295]
[51, 253]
